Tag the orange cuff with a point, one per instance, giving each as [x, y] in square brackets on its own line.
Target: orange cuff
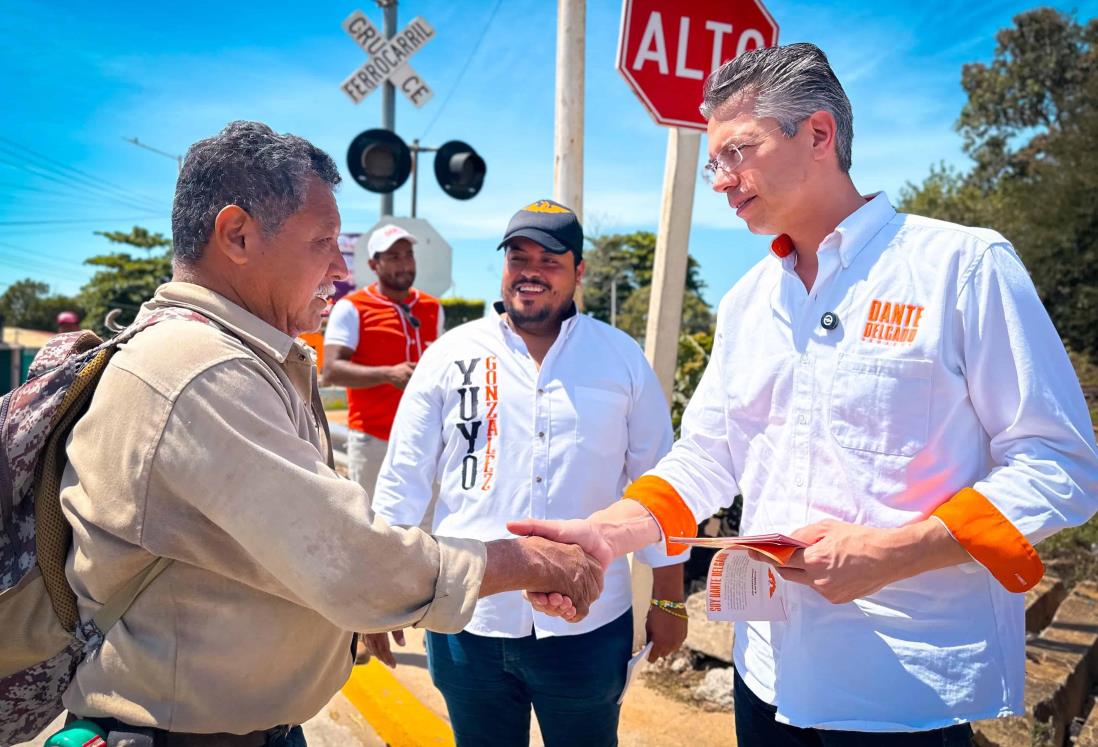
[674, 516]
[991, 540]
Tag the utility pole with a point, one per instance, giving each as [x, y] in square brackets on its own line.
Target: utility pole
[661, 337]
[568, 125]
[388, 91]
[134, 141]
[416, 150]
[568, 129]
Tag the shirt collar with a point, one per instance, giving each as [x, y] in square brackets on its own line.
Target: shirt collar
[242, 323]
[853, 233]
[566, 326]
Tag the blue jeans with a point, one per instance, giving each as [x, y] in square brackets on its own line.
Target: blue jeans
[755, 725]
[572, 682]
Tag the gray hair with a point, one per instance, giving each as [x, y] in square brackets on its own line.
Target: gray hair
[788, 83]
[248, 165]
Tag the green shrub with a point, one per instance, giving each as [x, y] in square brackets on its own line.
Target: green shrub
[461, 310]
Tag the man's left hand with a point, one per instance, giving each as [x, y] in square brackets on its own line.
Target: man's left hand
[666, 632]
[844, 562]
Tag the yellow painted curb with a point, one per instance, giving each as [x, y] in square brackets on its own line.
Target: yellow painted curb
[396, 715]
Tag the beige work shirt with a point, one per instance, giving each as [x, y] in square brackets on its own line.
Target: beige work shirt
[203, 445]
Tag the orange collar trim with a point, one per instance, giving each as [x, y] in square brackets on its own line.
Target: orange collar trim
[782, 246]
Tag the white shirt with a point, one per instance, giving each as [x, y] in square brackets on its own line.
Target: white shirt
[960, 382]
[507, 440]
[343, 324]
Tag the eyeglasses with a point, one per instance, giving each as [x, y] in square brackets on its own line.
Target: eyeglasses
[728, 158]
[408, 315]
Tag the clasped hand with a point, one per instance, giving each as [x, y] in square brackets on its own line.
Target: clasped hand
[579, 532]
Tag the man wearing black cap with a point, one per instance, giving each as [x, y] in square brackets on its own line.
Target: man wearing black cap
[533, 411]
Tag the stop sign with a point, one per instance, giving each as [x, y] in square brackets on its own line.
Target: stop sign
[667, 48]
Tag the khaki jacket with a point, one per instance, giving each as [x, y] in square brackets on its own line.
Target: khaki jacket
[203, 445]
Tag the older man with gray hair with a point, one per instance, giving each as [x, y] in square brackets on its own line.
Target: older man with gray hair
[889, 390]
[205, 444]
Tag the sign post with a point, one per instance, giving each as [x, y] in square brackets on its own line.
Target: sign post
[387, 67]
[666, 49]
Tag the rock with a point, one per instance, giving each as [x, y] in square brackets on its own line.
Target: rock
[716, 688]
[1015, 731]
[1088, 736]
[1041, 603]
[705, 636]
[1061, 664]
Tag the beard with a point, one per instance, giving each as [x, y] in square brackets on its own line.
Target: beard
[522, 319]
[543, 313]
[399, 282]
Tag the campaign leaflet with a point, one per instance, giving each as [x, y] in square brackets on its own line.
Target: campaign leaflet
[740, 588]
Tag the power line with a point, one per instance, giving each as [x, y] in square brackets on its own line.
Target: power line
[72, 174]
[6, 248]
[76, 194]
[72, 221]
[37, 261]
[457, 82]
[92, 178]
[69, 182]
[59, 274]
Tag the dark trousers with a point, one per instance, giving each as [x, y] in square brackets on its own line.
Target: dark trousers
[756, 727]
[572, 682]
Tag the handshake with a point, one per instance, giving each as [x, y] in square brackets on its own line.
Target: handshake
[558, 564]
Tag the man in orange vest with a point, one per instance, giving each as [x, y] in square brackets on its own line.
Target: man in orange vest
[374, 339]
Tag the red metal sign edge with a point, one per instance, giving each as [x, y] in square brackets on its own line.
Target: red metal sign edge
[626, 9]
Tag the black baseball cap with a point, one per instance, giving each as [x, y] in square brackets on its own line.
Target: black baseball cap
[550, 224]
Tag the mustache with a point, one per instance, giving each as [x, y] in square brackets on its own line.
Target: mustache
[529, 281]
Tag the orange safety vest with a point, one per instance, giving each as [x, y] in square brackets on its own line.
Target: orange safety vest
[387, 336]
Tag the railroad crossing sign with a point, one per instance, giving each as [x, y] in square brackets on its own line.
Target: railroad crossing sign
[388, 59]
[666, 50]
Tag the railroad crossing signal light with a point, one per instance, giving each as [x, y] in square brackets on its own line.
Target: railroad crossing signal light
[380, 161]
[459, 170]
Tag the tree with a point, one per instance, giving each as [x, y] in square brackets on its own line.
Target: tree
[28, 303]
[633, 314]
[1035, 86]
[125, 282]
[629, 258]
[1030, 125]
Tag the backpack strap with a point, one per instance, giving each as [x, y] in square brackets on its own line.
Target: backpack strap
[116, 606]
[53, 533]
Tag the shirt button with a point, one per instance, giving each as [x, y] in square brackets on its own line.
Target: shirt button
[802, 419]
[541, 434]
[799, 481]
[537, 479]
[541, 391]
[804, 360]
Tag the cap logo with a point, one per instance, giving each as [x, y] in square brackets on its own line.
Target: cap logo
[544, 206]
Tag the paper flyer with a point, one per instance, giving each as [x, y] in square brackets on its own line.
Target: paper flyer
[777, 547]
[740, 589]
[631, 669]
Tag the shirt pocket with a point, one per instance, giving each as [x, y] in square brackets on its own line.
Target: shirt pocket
[602, 421]
[881, 405]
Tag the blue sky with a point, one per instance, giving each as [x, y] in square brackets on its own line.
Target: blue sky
[77, 80]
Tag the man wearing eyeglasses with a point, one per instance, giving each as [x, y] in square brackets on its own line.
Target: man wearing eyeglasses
[374, 339]
[889, 390]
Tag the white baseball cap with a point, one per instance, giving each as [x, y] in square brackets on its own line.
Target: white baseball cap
[383, 238]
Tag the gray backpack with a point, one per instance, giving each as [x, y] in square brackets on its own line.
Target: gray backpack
[44, 638]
